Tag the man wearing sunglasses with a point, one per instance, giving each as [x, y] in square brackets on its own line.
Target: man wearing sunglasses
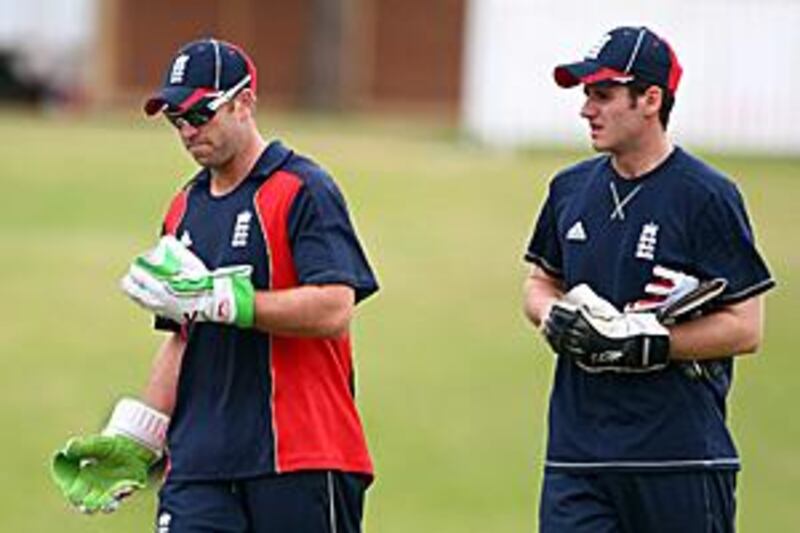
[255, 279]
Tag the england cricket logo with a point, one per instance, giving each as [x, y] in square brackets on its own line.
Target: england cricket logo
[178, 69]
[241, 230]
[648, 239]
[164, 520]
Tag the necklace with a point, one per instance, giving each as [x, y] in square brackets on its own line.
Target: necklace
[620, 203]
[618, 212]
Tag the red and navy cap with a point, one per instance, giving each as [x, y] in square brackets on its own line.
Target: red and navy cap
[622, 55]
[201, 69]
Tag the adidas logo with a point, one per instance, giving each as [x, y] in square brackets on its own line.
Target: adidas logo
[576, 232]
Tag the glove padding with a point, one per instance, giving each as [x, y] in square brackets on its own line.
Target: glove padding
[598, 337]
[674, 296]
[172, 282]
[665, 288]
[96, 472]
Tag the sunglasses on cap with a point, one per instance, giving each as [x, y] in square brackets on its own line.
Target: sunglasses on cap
[205, 110]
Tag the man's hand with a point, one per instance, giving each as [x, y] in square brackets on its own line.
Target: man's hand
[599, 338]
[96, 472]
[172, 282]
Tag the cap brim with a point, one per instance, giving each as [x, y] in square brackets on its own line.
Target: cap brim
[587, 72]
[181, 98]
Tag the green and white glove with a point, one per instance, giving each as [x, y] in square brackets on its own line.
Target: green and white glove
[96, 472]
[173, 282]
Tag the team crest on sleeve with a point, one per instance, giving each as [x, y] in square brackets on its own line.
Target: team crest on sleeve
[241, 229]
[648, 240]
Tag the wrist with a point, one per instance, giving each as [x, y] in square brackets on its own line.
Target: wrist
[652, 349]
[140, 423]
[234, 300]
[545, 312]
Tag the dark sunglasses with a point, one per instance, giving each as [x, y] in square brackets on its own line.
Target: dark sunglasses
[205, 110]
[196, 116]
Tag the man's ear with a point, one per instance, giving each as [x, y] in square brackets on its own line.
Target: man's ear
[248, 98]
[652, 99]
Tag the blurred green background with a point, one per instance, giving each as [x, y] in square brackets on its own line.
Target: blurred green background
[453, 383]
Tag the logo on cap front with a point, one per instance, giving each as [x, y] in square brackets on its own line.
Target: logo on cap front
[595, 50]
[178, 69]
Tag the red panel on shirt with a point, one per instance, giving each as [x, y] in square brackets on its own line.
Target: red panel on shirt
[314, 418]
[175, 213]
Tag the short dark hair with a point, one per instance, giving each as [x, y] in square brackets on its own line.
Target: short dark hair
[637, 88]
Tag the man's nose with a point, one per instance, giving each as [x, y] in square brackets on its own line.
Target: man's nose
[588, 109]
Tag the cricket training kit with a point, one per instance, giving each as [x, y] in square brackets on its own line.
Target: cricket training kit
[264, 433]
[249, 404]
[638, 440]
[284, 403]
[685, 221]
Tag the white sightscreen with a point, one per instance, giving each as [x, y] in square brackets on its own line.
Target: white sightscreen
[739, 90]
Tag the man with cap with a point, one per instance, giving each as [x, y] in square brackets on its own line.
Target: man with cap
[254, 281]
[638, 439]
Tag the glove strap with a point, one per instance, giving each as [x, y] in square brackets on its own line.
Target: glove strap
[140, 423]
[234, 299]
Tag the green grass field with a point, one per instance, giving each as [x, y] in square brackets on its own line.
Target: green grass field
[453, 383]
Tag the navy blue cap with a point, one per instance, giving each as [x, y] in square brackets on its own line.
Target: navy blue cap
[622, 55]
[200, 69]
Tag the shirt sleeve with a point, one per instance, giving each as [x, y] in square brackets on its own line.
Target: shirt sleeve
[544, 247]
[724, 246]
[325, 247]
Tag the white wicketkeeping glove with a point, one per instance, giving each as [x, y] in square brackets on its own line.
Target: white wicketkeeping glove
[173, 282]
[593, 333]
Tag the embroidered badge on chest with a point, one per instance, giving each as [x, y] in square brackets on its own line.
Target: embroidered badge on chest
[648, 240]
[164, 520]
[241, 229]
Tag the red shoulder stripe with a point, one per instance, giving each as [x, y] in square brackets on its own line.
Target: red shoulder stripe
[314, 420]
[175, 213]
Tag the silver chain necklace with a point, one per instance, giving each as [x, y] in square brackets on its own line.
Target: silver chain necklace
[617, 212]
